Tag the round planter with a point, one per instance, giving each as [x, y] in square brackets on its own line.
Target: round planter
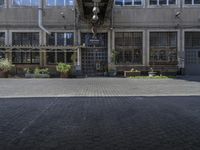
[64, 75]
[3, 74]
[152, 74]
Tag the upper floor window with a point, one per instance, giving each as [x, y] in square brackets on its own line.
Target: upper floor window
[128, 2]
[162, 2]
[60, 2]
[25, 38]
[25, 2]
[192, 2]
[60, 39]
[1, 2]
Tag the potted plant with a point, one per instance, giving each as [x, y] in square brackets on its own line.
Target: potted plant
[64, 69]
[36, 73]
[152, 73]
[132, 72]
[5, 67]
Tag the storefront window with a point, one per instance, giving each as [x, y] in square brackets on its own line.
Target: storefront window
[25, 56]
[128, 47]
[163, 48]
[60, 55]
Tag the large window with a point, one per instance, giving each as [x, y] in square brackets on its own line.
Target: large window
[57, 55]
[25, 38]
[162, 2]
[192, 2]
[25, 56]
[163, 48]
[128, 2]
[60, 2]
[25, 2]
[60, 39]
[128, 47]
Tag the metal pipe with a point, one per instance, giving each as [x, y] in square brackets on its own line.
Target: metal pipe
[40, 24]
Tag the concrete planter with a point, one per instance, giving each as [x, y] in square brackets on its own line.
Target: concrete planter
[152, 74]
[132, 73]
[3, 74]
[31, 75]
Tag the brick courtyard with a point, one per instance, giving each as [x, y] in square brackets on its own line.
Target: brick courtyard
[94, 114]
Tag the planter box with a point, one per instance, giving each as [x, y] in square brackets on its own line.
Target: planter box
[152, 74]
[3, 74]
[132, 73]
[31, 75]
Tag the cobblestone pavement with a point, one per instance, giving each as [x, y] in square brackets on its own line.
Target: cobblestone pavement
[98, 87]
[100, 123]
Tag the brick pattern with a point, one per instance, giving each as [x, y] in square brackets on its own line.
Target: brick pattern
[100, 123]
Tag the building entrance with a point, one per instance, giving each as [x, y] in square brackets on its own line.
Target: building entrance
[94, 56]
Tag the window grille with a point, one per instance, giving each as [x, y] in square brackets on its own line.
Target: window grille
[128, 47]
[25, 56]
[25, 38]
[163, 48]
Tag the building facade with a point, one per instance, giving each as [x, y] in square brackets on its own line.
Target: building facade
[125, 34]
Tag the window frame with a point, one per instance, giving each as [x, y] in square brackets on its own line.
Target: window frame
[55, 4]
[132, 32]
[177, 47]
[123, 3]
[13, 5]
[158, 4]
[193, 4]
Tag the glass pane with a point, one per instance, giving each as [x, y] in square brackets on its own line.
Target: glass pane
[69, 39]
[119, 2]
[69, 57]
[2, 53]
[137, 2]
[127, 2]
[16, 56]
[60, 56]
[17, 2]
[162, 2]
[51, 39]
[34, 2]
[2, 38]
[69, 2]
[196, 1]
[188, 1]
[60, 3]
[60, 39]
[1, 2]
[153, 2]
[51, 2]
[172, 1]
[51, 57]
[35, 56]
[25, 2]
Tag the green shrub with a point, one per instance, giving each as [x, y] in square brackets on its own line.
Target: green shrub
[63, 68]
[5, 65]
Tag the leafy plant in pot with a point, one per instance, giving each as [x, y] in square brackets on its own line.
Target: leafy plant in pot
[5, 67]
[64, 69]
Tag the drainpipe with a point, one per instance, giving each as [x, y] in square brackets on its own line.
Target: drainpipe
[40, 17]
